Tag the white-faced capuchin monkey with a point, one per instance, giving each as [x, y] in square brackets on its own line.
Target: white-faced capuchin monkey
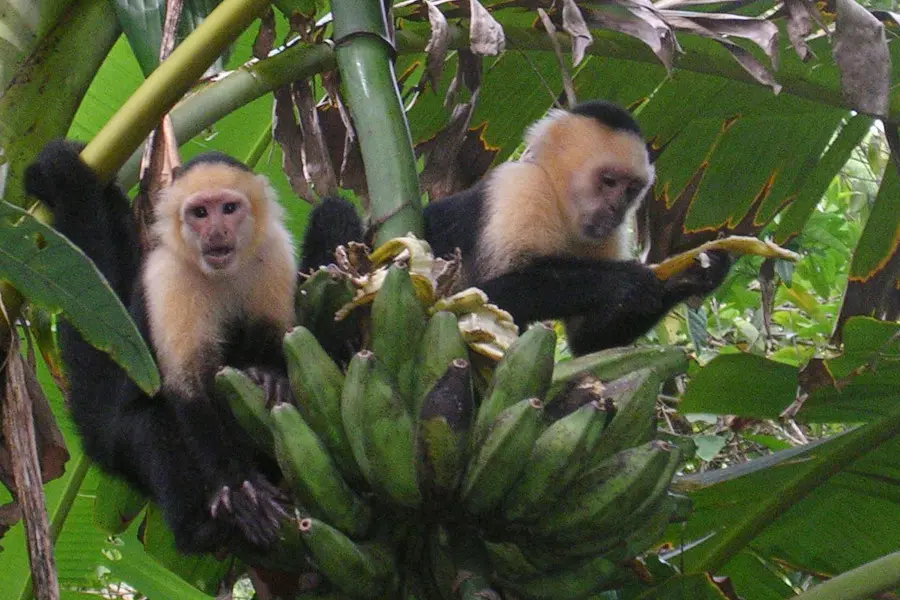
[216, 289]
[546, 236]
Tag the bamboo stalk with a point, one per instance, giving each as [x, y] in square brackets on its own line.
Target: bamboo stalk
[364, 58]
[109, 149]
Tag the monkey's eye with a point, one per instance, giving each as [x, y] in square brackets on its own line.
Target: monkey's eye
[199, 212]
[608, 181]
[229, 207]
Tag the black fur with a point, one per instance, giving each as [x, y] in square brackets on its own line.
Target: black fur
[608, 114]
[185, 453]
[211, 157]
[331, 223]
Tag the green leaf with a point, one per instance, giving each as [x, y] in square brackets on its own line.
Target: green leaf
[708, 446]
[47, 269]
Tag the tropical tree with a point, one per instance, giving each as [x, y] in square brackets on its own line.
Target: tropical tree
[752, 112]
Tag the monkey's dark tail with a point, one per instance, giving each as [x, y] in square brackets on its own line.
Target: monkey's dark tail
[333, 222]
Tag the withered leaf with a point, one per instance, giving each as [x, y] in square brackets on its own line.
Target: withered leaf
[438, 43]
[861, 53]
[486, 37]
[749, 62]
[288, 135]
[799, 25]
[573, 23]
[645, 26]
[316, 162]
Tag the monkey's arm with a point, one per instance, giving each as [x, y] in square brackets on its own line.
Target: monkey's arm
[609, 303]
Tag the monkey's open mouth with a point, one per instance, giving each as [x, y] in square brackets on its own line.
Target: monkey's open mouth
[218, 256]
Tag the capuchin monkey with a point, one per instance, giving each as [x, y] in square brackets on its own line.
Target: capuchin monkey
[217, 288]
[546, 237]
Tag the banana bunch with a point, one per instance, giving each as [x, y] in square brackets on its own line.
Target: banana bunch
[426, 469]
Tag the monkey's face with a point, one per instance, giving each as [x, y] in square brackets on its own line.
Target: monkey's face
[217, 224]
[600, 198]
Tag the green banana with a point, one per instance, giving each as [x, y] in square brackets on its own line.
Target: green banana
[442, 431]
[650, 531]
[578, 391]
[116, 504]
[441, 344]
[398, 322]
[317, 384]
[361, 570]
[247, 402]
[498, 461]
[317, 301]
[578, 582]
[634, 423]
[380, 430]
[313, 477]
[554, 460]
[508, 560]
[665, 361]
[603, 497]
[524, 372]
[440, 571]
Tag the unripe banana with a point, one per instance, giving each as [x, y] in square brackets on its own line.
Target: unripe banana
[442, 432]
[317, 384]
[497, 462]
[577, 392]
[116, 504]
[440, 567]
[313, 477]
[398, 322]
[554, 460]
[508, 561]
[247, 402]
[380, 430]
[361, 570]
[634, 397]
[317, 301]
[607, 365]
[567, 584]
[441, 344]
[603, 497]
[524, 372]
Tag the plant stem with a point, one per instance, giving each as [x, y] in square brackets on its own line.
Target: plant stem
[880, 575]
[142, 111]
[364, 58]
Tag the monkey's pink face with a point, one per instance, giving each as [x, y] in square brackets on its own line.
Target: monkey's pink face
[218, 225]
[600, 199]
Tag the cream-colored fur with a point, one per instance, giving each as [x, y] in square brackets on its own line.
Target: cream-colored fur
[528, 213]
[187, 308]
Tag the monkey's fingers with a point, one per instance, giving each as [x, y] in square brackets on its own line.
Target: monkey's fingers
[258, 512]
[276, 386]
[736, 243]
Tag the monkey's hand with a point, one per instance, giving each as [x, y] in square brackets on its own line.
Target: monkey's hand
[255, 508]
[57, 174]
[706, 274]
[276, 385]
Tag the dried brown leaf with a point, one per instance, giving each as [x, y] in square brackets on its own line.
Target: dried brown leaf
[438, 44]
[486, 37]
[288, 135]
[573, 23]
[861, 53]
[761, 32]
[316, 163]
[468, 72]
[265, 37]
[456, 157]
[645, 26]
[799, 25]
[749, 62]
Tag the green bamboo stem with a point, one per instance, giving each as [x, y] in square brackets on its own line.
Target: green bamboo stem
[717, 551]
[161, 90]
[364, 58]
[880, 575]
